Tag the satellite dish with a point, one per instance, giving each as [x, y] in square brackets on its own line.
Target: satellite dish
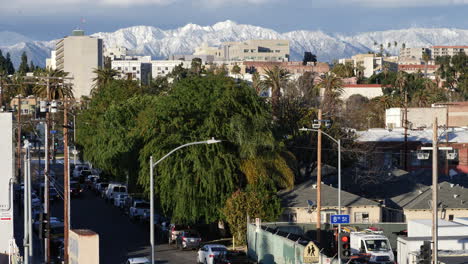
[310, 203]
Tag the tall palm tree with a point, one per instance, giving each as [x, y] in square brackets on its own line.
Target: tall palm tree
[276, 78]
[57, 89]
[332, 87]
[103, 77]
[401, 81]
[257, 83]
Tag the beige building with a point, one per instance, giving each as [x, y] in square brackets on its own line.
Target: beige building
[133, 69]
[438, 51]
[164, 67]
[28, 105]
[249, 50]
[300, 205]
[413, 53]
[372, 64]
[367, 90]
[453, 202]
[79, 56]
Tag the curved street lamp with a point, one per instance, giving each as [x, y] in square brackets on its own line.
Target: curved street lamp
[152, 165]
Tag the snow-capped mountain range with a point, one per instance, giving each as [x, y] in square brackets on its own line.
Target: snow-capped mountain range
[159, 43]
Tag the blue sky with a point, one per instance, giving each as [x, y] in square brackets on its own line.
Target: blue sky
[47, 19]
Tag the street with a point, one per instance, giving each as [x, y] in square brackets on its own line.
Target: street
[119, 237]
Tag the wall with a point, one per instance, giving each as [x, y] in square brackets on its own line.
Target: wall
[82, 55]
[427, 214]
[6, 165]
[268, 248]
[458, 115]
[417, 116]
[304, 217]
[84, 247]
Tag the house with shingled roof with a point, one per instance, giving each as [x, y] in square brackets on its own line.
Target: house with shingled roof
[300, 205]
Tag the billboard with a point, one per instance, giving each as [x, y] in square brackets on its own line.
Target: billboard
[6, 173]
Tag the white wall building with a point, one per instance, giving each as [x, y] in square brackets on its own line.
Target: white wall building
[453, 235]
[51, 62]
[367, 90]
[6, 187]
[79, 56]
[164, 67]
[134, 69]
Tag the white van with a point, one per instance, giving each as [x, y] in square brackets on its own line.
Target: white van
[115, 189]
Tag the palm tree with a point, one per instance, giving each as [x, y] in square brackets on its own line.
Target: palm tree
[257, 83]
[103, 77]
[275, 79]
[57, 89]
[401, 81]
[426, 58]
[332, 89]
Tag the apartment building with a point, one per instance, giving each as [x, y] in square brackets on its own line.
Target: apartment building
[249, 50]
[294, 67]
[164, 67]
[413, 53]
[138, 69]
[51, 62]
[28, 105]
[79, 56]
[115, 52]
[372, 64]
[438, 51]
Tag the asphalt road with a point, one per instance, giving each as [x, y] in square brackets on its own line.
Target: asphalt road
[119, 238]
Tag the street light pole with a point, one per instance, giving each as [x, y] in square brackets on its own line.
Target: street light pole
[434, 193]
[152, 165]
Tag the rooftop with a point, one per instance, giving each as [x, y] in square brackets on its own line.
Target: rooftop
[298, 196]
[456, 135]
[451, 196]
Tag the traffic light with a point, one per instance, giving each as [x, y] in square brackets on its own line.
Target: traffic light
[344, 246]
[425, 255]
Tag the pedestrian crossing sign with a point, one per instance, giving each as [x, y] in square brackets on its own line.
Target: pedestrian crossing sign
[311, 253]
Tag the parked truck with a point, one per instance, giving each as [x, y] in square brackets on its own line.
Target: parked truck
[374, 245]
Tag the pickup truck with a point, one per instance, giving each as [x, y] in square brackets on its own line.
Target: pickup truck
[138, 209]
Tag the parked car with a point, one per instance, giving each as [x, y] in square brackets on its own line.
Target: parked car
[140, 260]
[138, 209]
[113, 190]
[212, 254]
[100, 187]
[174, 231]
[119, 200]
[188, 239]
[78, 168]
[75, 188]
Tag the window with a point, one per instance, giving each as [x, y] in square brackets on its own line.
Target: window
[289, 217]
[167, 68]
[361, 217]
[325, 215]
[246, 50]
[450, 217]
[134, 68]
[119, 68]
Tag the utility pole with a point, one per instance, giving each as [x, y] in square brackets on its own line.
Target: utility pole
[47, 181]
[446, 138]
[18, 138]
[405, 162]
[27, 241]
[435, 182]
[66, 188]
[319, 177]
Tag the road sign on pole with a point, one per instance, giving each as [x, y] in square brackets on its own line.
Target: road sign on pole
[53, 131]
[340, 219]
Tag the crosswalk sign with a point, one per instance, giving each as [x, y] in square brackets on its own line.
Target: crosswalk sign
[311, 253]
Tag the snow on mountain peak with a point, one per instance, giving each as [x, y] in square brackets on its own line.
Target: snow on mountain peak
[159, 43]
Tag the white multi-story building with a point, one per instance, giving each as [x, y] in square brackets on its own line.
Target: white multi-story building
[372, 64]
[438, 51]
[164, 67]
[79, 56]
[51, 63]
[250, 50]
[115, 52]
[136, 69]
[413, 53]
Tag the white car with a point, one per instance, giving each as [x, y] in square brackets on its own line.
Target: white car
[138, 209]
[209, 252]
[120, 200]
[141, 260]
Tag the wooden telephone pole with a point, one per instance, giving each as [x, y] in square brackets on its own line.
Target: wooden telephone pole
[66, 181]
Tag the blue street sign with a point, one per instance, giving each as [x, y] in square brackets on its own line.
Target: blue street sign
[340, 219]
[53, 131]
